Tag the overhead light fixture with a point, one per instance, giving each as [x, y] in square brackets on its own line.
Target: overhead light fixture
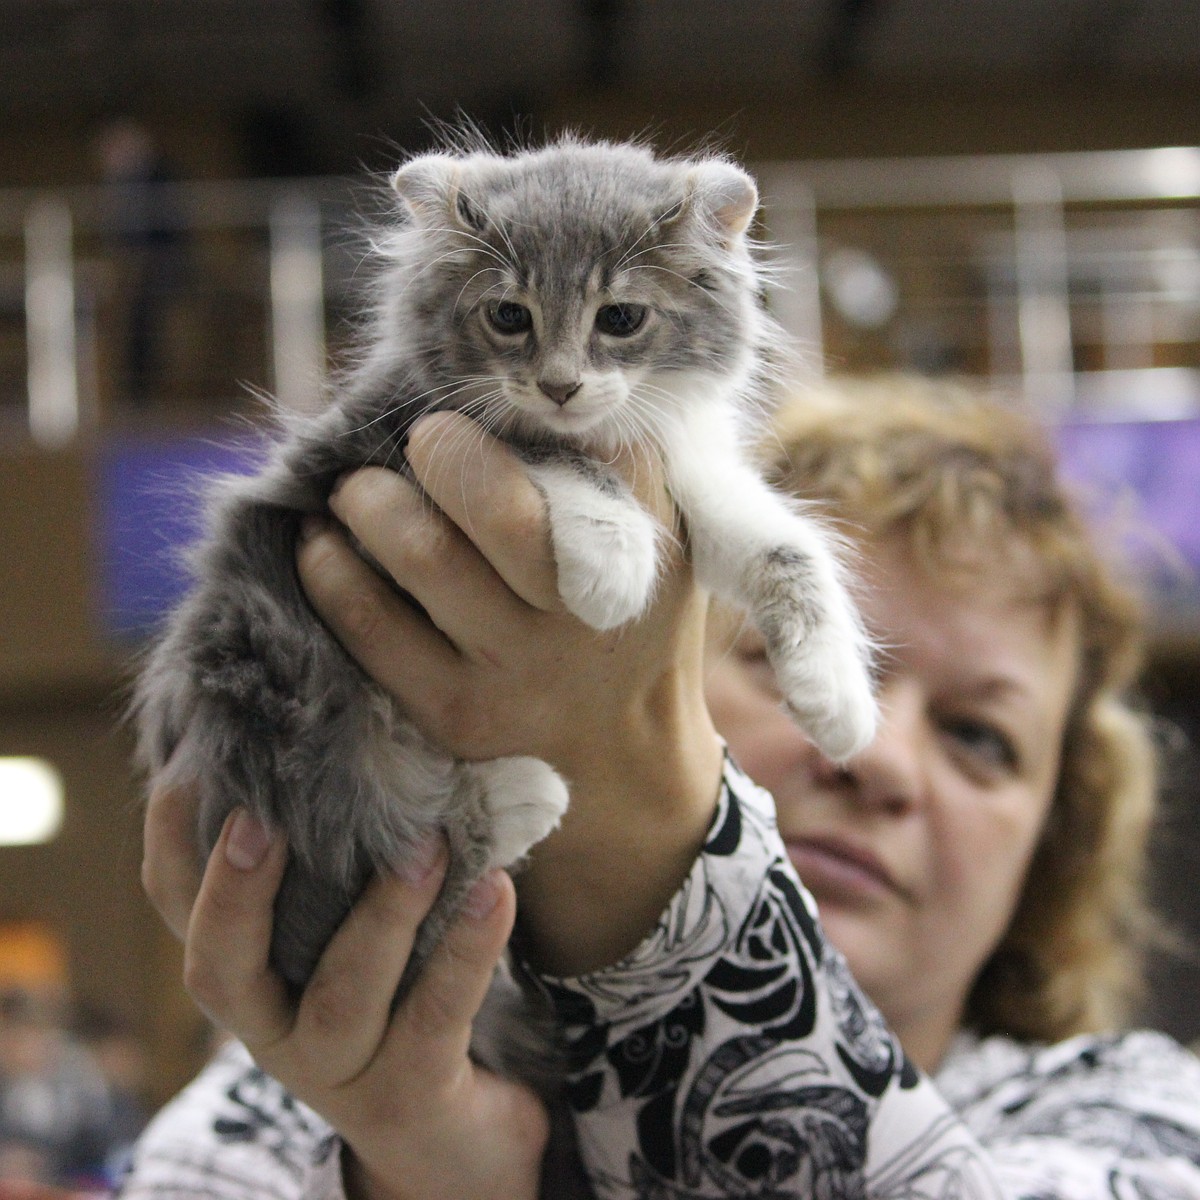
[31, 801]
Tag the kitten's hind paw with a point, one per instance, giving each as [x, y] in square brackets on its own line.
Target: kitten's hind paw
[526, 799]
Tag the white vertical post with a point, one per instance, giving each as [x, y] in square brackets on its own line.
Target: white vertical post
[50, 323]
[297, 302]
[1043, 290]
[797, 304]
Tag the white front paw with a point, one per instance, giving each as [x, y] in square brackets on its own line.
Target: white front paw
[607, 563]
[605, 544]
[826, 685]
[526, 799]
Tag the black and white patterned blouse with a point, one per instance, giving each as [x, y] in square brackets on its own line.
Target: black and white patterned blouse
[732, 1055]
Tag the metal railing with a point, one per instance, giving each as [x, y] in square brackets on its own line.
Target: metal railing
[70, 264]
[1073, 276]
[1084, 268]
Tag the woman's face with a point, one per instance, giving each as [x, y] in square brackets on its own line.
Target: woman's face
[916, 850]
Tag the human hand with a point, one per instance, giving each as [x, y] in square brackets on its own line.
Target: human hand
[492, 664]
[171, 869]
[418, 1118]
[470, 542]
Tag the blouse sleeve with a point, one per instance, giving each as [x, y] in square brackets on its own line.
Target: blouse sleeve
[234, 1133]
[732, 1054]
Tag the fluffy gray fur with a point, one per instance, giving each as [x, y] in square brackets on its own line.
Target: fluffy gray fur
[644, 324]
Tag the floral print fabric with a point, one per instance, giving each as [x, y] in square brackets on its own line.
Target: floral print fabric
[733, 1056]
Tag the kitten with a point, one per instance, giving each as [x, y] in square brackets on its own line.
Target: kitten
[570, 298]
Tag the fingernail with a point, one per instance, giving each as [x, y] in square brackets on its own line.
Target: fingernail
[423, 422]
[426, 425]
[427, 856]
[483, 897]
[248, 841]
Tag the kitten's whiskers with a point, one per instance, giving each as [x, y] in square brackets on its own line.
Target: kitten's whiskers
[719, 301]
[486, 415]
[471, 279]
[493, 224]
[651, 228]
[479, 245]
[450, 389]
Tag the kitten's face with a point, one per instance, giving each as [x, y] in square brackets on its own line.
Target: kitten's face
[579, 290]
[570, 352]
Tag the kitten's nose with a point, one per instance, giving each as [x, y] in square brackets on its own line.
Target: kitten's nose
[560, 393]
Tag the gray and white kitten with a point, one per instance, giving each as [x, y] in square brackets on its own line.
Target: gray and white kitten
[571, 299]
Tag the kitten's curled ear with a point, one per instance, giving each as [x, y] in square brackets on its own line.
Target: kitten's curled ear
[723, 197]
[432, 188]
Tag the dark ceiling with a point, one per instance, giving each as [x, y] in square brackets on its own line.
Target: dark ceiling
[380, 63]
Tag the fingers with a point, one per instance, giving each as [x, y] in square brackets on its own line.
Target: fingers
[481, 485]
[344, 1018]
[402, 650]
[394, 643]
[345, 1011]
[229, 934]
[170, 862]
[433, 1025]
[426, 554]
[347, 1004]
[485, 489]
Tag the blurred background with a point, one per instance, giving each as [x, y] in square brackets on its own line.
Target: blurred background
[1007, 189]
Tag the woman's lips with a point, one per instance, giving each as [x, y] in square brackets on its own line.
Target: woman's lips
[834, 869]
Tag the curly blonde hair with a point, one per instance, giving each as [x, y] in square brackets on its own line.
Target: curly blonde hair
[950, 470]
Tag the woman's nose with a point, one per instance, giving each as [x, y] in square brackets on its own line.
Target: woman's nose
[889, 773]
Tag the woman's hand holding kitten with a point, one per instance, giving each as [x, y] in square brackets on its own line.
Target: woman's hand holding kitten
[496, 666]
[493, 665]
[418, 1119]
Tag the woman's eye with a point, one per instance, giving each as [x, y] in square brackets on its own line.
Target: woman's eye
[509, 317]
[984, 742]
[621, 320]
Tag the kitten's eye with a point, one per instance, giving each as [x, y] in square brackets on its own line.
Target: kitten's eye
[509, 317]
[621, 320]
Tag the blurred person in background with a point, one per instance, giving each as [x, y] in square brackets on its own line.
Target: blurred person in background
[56, 1110]
[119, 1052]
[978, 872]
[150, 250]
